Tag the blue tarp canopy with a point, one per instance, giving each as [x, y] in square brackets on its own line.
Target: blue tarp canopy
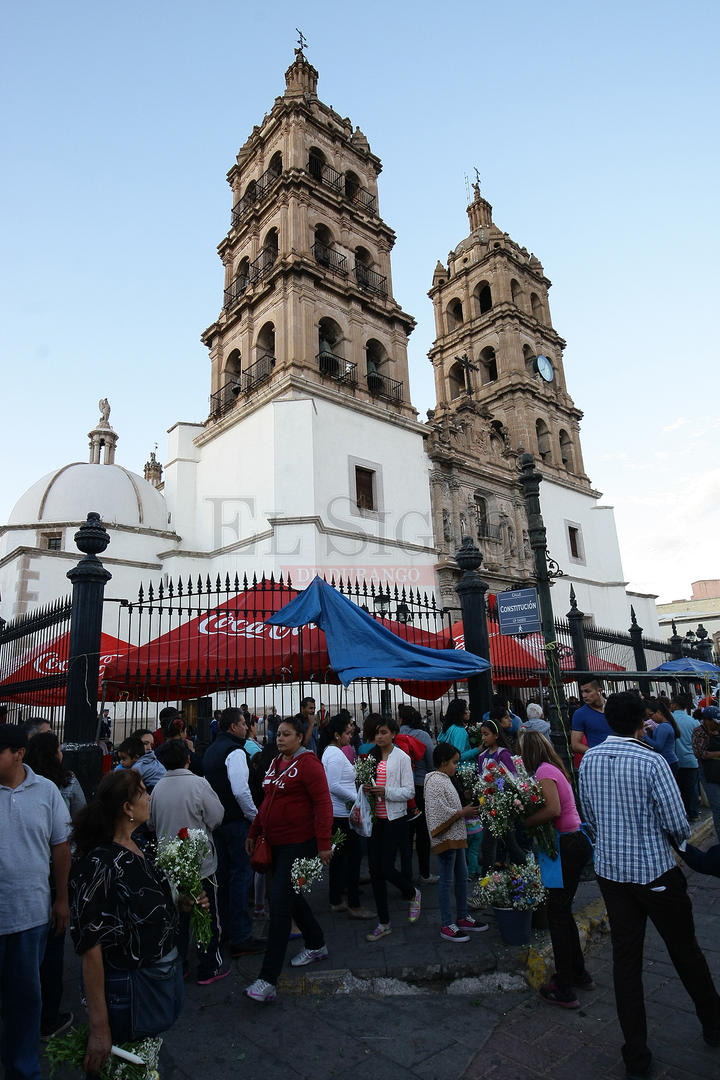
[687, 666]
[360, 647]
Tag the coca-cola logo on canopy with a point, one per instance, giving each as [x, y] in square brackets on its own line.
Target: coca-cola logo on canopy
[233, 625]
[49, 663]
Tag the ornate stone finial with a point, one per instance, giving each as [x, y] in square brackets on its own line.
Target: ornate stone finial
[359, 141]
[103, 440]
[153, 470]
[479, 211]
[301, 77]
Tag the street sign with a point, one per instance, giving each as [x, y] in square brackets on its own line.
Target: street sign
[519, 611]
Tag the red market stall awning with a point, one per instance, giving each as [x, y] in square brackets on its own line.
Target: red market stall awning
[40, 675]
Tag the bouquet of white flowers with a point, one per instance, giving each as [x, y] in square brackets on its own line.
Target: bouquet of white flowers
[180, 859]
[305, 872]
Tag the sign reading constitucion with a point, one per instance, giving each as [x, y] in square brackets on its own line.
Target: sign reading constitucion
[519, 611]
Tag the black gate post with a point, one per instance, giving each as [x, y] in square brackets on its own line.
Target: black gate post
[575, 617]
[636, 633]
[530, 480]
[471, 589]
[675, 643]
[89, 577]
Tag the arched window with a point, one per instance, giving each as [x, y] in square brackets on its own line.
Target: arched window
[566, 451]
[239, 283]
[529, 358]
[276, 163]
[249, 195]
[456, 381]
[271, 244]
[352, 184]
[483, 298]
[323, 244]
[233, 365]
[376, 359]
[543, 440]
[265, 346]
[536, 306]
[488, 365]
[515, 292]
[363, 265]
[330, 347]
[481, 515]
[454, 315]
[316, 161]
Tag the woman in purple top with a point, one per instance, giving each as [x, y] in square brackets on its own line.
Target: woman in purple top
[496, 749]
[543, 763]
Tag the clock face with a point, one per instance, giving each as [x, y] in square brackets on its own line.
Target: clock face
[544, 368]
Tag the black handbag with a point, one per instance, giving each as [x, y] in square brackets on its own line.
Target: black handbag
[157, 995]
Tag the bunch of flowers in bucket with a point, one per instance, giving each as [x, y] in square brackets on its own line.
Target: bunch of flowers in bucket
[180, 858]
[529, 795]
[518, 887]
[132, 1061]
[305, 872]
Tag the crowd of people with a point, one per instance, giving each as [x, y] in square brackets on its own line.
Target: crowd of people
[262, 802]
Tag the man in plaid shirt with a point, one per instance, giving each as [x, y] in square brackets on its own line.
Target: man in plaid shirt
[632, 805]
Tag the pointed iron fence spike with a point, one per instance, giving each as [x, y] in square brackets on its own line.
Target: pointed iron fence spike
[236, 583]
[245, 583]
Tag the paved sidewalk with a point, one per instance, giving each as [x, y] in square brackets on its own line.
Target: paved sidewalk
[327, 1022]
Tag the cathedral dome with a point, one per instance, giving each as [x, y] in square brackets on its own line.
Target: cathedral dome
[119, 496]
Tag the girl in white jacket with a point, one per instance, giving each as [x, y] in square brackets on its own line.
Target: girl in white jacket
[392, 788]
[345, 863]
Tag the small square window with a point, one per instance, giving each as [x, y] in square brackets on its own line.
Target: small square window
[53, 543]
[365, 488]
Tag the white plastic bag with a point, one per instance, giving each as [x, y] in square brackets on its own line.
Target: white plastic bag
[360, 819]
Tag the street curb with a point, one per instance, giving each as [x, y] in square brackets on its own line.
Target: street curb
[591, 921]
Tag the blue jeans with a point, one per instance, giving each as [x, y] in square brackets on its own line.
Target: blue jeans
[234, 875]
[453, 868]
[20, 957]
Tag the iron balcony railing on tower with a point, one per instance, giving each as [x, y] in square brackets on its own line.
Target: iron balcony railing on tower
[255, 192]
[326, 175]
[330, 258]
[257, 373]
[370, 281]
[223, 399]
[361, 197]
[235, 290]
[383, 386]
[337, 368]
[262, 265]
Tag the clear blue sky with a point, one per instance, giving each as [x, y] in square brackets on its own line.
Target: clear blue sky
[594, 128]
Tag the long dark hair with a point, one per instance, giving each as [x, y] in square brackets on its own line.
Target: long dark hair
[392, 725]
[454, 714]
[41, 756]
[336, 725]
[535, 748]
[657, 705]
[499, 732]
[95, 823]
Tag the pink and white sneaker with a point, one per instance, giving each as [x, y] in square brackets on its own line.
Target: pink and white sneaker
[451, 933]
[468, 923]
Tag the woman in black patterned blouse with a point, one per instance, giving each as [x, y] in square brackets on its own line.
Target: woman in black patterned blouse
[122, 914]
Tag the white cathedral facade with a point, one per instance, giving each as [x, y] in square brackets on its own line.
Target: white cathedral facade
[312, 458]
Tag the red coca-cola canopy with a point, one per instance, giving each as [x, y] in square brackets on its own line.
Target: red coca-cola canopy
[231, 646]
[514, 660]
[48, 664]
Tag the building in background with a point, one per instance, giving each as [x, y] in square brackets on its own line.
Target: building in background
[312, 458]
[702, 609]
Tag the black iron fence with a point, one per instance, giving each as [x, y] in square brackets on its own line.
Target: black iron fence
[207, 643]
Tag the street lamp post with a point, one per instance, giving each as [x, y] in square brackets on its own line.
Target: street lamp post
[471, 590]
[531, 479]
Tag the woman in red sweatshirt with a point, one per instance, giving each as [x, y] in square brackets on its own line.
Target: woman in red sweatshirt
[295, 817]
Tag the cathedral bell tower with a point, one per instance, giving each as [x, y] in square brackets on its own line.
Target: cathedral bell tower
[308, 289]
[312, 456]
[501, 391]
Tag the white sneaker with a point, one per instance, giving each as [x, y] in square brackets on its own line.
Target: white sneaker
[261, 991]
[309, 956]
